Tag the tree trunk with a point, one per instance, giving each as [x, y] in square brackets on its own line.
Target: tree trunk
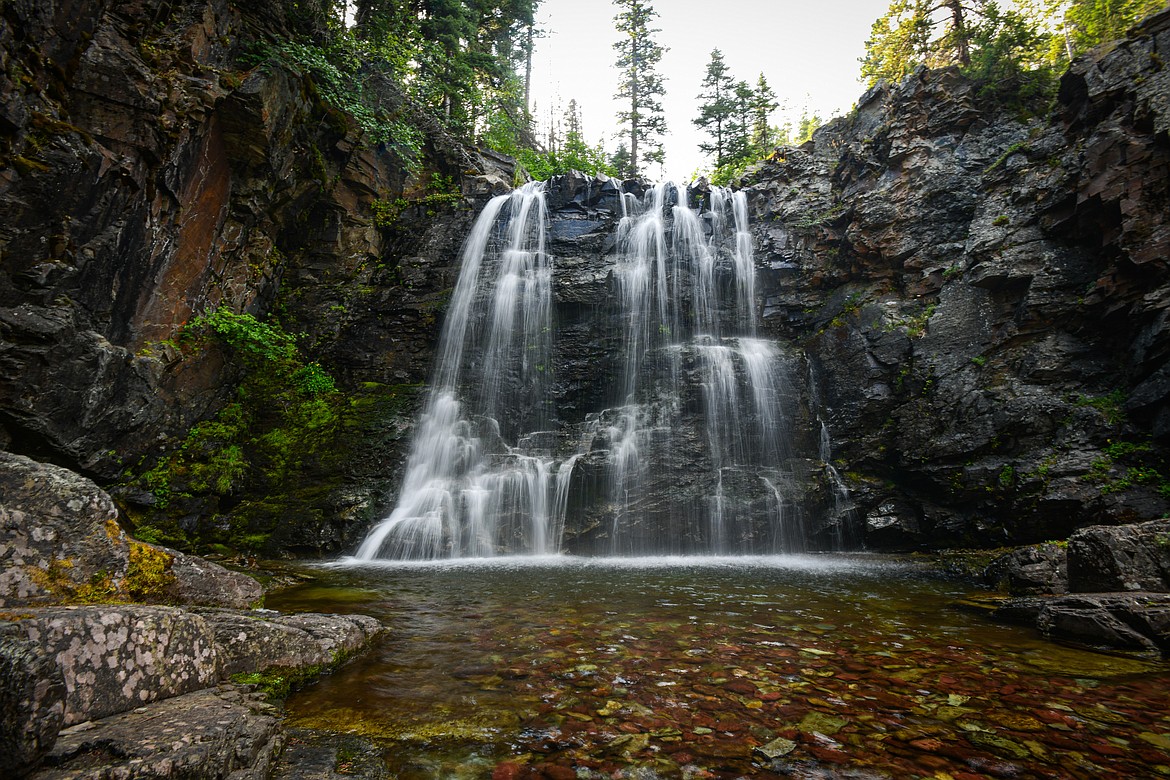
[959, 28]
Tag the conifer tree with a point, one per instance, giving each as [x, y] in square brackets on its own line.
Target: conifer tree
[763, 104]
[641, 87]
[716, 107]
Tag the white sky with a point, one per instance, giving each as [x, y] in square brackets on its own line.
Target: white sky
[808, 51]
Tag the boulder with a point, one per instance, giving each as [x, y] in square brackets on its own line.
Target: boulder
[59, 534]
[1135, 624]
[60, 541]
[32, 702]
[1032, 570]
[1120, 558]
[199, 582]
[259, 641]
[116, 658]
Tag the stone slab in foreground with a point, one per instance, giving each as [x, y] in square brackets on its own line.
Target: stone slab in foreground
[224, 732]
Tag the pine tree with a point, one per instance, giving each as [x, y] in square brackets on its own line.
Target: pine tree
[716, 107]
[739, 145]
[641, 87]
[763, 104]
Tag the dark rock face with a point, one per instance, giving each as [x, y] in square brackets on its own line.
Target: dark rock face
[1125, 558]
[982, 299]
[149, 176]
[1036, 569]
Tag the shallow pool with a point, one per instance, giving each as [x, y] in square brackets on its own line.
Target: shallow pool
[807, 666]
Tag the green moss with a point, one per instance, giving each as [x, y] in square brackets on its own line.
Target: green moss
[149, 576]
[1018, 147]
[1111, 405]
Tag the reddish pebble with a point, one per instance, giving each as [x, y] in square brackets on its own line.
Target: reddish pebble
[1106, 749]
[825, 754]
[506, 771]
[927, 745]
[554, 772]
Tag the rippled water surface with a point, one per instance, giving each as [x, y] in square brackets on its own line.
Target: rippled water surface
[718, 667]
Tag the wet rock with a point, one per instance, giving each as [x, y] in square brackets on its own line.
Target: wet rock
[1120, 558]
[1039, 568]
[215, 733]
[1132, 623]
[258, 641]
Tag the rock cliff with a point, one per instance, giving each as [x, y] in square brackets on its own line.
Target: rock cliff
[982, 298]
[158, 165]
[978, 298]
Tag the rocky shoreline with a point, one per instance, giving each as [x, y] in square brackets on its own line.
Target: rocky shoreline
[136, 690]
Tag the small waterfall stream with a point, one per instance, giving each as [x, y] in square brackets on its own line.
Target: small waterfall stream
[692, 454]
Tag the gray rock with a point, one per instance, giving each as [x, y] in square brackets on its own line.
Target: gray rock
[59, 533]
[202, 583]
[258, 641]
[1039, 568]
[206, 735]
[32, 702]
[60, 541]
[116, 658]
[1120, 558]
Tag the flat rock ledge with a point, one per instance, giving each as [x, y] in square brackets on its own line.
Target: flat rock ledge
[223, 732]
[1135, 624]
[135, 691]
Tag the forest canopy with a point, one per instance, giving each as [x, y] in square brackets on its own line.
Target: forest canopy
[399, 65]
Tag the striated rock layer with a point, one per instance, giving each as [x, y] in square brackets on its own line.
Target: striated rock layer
[983, 299]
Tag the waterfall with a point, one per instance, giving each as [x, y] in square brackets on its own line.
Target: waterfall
[467, 490]
[690, 452]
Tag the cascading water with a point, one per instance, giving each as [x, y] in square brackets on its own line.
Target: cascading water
[691, 452]
[466, 490]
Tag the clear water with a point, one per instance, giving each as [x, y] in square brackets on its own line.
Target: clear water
[671, 668]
